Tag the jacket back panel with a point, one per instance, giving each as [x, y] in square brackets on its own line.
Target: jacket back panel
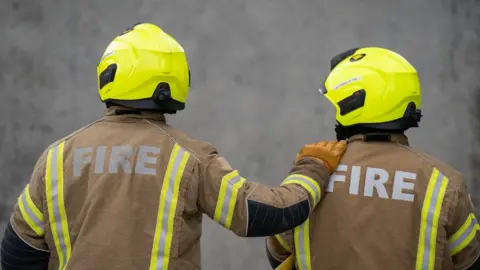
[122, 197]
[372, 214]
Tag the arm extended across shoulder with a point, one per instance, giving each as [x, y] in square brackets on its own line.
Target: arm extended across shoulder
[251, 209]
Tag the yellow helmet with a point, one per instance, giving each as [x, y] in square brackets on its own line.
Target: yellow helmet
[144, 68]
[374, 87]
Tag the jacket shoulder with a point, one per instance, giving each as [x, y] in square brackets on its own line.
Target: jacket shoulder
[41, 162]
[433, 162]
[72, 135]
[200, 150]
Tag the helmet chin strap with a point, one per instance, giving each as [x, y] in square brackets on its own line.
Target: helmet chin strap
[340, 131]
[343, 132]
[410, 119]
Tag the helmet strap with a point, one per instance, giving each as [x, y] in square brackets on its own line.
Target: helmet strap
[345, 132]
[163, 99]
[410, 119]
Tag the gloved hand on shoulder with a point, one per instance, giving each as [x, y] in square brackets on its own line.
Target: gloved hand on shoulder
[328, 152]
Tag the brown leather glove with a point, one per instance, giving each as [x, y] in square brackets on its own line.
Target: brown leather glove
[329, 152]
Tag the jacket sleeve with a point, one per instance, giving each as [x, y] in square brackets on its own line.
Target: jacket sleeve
[250, 209]
[462, 230]
[279, 247]
[24, 238]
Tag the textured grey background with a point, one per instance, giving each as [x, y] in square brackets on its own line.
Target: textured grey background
[256, 67]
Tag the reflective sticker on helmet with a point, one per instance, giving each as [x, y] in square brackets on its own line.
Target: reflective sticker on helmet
[107, 53]
[357, 57]
[347, 82]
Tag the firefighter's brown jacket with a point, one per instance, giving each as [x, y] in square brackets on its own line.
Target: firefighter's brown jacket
[128, 192]
[387, 206]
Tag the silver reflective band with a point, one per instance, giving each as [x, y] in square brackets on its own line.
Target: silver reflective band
[55, 202]
[54, 182]
[306, 182]
[464, 236]
[430, 218]
[166, 209]
[30, 213]
[431, 211]
[302, 246]
[162, 242]
[228, 198]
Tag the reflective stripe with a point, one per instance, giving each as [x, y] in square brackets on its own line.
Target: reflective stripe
[432, 206]
[30, 212]
[464, 235]
[283, 242]
[227, 198]
[307, 183]
[56, 204]
[302, 246]
[162, 242]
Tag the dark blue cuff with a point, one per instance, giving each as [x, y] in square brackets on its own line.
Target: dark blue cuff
[266, 220]
[18, 255]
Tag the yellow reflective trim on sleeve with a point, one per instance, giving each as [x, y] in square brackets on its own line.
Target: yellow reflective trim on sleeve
[283, 242]
[302, 246]
[462, 238]
[232, 203]
[308, 179]
[227, 198]
[431, 209]
[221, 194]
[305, 186]
[306, 182]
[162, 242]
[38, 214]
[30, 212]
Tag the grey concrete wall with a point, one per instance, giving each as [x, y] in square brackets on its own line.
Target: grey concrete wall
[256, 67]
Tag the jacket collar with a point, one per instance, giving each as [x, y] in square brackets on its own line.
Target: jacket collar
[381, 137]
[119, 112]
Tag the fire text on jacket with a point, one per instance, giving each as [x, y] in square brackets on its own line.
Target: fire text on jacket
[112, 159]
[399, 184]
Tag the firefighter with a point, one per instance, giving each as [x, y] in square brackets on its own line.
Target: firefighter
[128, 191]
[388, 206]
